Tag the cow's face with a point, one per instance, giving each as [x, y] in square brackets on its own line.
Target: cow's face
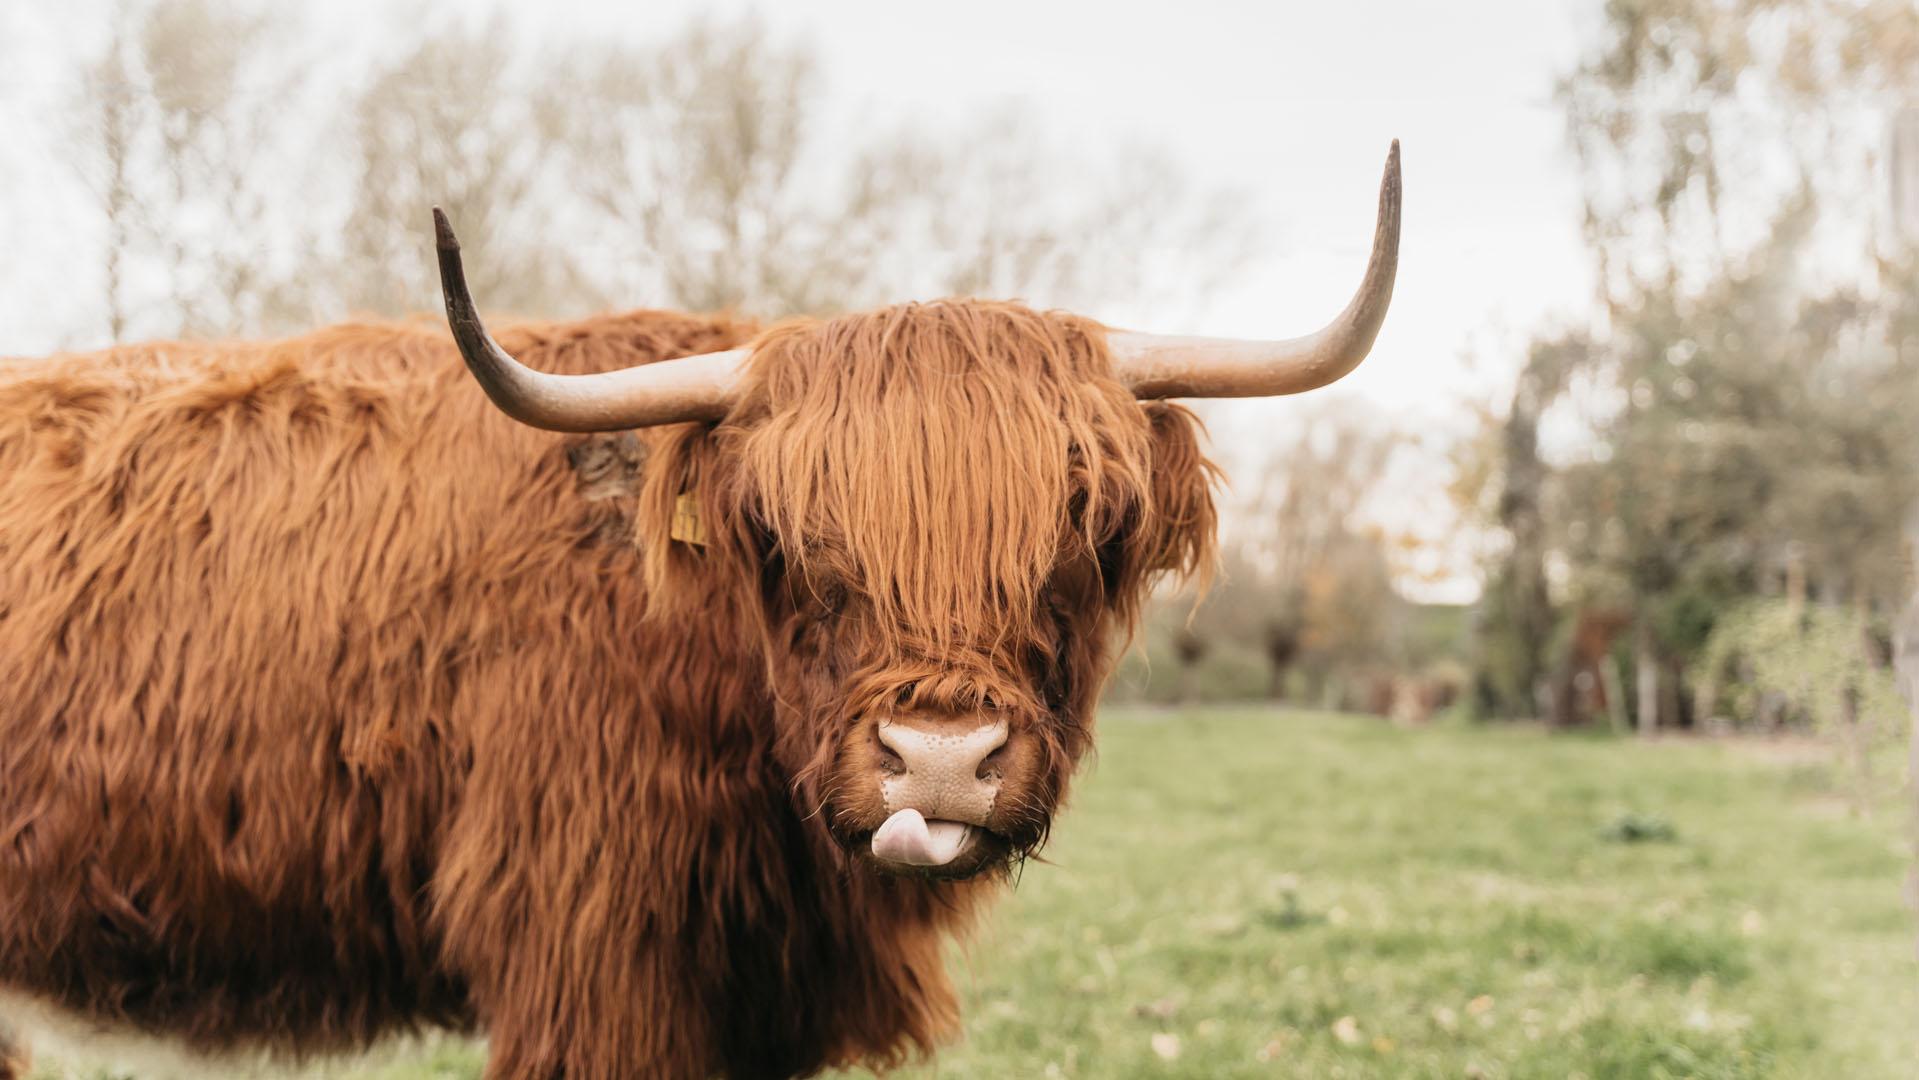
[944, 512]
[934, 514]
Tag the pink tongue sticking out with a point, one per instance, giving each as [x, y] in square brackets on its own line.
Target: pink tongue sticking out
[909, 838]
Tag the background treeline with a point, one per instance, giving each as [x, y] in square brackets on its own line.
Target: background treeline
[705, 171]
[1695, 503]
[1702, 491]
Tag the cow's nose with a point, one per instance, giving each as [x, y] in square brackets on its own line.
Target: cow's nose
[944, 768]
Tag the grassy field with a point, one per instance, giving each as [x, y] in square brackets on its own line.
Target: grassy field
[1239, 892]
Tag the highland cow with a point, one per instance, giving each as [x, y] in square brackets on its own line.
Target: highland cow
[333, 703]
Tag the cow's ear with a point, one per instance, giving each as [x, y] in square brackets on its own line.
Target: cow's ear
[684, 529]
[1176, 532]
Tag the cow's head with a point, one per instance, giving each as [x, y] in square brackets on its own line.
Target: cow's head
[935, 515]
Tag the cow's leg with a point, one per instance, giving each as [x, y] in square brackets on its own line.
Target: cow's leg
[560, 910]
[574, 978]
[605, 1038]
[609, 884]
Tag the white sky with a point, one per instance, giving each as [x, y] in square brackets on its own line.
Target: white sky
[1295, 103]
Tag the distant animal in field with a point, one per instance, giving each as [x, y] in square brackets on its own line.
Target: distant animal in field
[670, 731]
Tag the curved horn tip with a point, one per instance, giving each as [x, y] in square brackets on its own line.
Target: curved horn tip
[1159, 366]
[688, 388]
[1389, 184]
[443, 231]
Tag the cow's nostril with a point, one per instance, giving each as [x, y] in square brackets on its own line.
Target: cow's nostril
[890, 761]
[993, 767]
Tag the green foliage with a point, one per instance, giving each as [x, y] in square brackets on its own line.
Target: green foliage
[1247, 880]
[1304, 605]
[1820, 658]
[1421, 641]
[1230, 670]
[1516, 622]
[1434, 634]
[1508, 658]
[1746, 407]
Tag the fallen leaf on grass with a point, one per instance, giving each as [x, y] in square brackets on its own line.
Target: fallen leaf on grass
[1163, 1009]
[1166, 1045]
[1346, 1030]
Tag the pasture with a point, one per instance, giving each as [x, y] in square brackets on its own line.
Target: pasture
[1246, 892]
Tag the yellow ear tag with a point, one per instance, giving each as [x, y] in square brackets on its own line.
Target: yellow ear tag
[687, 526]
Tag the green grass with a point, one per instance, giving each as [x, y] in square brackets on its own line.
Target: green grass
[1330, 896]
[1239, 892]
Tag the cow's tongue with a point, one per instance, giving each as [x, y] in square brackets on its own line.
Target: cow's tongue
[909, 838]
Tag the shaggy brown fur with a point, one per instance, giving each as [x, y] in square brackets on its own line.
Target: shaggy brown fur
[332, 701]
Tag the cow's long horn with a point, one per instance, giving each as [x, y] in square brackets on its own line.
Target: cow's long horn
[1157, 366]
[690, 388]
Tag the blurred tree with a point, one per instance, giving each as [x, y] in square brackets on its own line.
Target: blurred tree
[1301, 578]
[1303, 581]
[1694, 121]
[1725, 470]
[1310, 547]
[1352, 618]
[691, 154]
[1516, 623]
[1903, 277]
[1189, 647]
[705, 171]
[1819, 661]
[1281, 637]
[178, 120]
[107, 110]
[720, 181]
[461, 120]
[1746, 401]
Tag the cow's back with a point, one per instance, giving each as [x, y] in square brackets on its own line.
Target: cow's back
[256, 605]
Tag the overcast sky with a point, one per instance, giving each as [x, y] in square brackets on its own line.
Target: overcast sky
[1294, 103]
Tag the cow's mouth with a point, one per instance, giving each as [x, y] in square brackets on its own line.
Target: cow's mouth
[909, 844]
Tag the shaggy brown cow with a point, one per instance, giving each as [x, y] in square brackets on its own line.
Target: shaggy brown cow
[333, 703]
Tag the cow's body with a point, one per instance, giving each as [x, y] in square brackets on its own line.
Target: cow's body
[328, 707]
[334, 702]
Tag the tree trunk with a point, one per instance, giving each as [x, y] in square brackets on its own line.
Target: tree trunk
[1511, 677]
[1615, 688]
[1276, 684]
[1191, 649]
[1673, 710]
[1906, 660]
[116, 134]
[1646, 670]
[1904, 171]
[1858, 748]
